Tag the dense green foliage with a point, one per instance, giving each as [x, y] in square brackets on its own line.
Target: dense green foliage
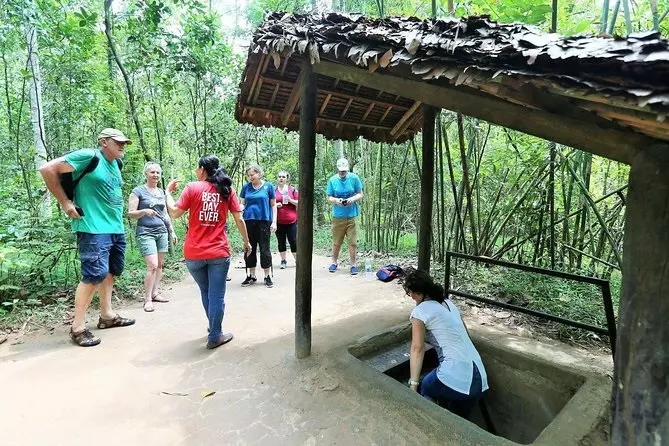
[167, 73]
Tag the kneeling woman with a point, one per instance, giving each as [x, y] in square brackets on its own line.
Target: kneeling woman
[460, 379]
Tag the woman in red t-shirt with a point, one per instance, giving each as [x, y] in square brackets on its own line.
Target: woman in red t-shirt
[286, 203]
[206, 248]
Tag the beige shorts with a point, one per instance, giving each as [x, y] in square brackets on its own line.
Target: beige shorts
[344, 227]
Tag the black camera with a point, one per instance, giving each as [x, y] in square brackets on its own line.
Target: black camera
[344, 201]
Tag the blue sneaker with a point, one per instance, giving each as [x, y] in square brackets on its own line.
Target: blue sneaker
[354, 270]
[333, 268]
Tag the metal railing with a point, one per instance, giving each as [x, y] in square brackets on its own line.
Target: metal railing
[610, 329]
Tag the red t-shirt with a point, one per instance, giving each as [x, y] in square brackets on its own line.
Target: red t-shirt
[287, 213]
[207, 213]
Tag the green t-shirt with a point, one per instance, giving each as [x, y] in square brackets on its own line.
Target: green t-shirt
[98, 193]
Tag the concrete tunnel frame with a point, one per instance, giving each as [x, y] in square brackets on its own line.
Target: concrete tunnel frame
[640, 393]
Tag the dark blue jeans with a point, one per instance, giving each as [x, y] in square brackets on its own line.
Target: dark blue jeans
[458, 403]
[210, 277]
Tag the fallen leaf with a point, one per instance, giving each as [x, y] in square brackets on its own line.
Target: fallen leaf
[174, 393]
[207, 393]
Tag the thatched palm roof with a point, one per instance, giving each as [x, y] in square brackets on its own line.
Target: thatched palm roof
[622, 82]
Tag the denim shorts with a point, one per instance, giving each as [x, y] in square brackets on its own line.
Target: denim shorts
[152, 243]
[100, 254]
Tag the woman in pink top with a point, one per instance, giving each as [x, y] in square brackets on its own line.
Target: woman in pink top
[286, 203]
[206, 247]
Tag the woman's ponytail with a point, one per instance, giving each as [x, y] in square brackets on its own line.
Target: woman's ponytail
[222, 182]
[216, 174]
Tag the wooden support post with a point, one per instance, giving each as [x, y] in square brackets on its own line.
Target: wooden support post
[641, 383]
[426, 189]
[305, 221]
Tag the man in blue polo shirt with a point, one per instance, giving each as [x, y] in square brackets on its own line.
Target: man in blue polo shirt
[344, 190]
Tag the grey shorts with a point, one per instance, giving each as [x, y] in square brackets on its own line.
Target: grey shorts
[150, 244]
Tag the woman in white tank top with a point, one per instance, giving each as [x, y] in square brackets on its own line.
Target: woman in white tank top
[460, 379]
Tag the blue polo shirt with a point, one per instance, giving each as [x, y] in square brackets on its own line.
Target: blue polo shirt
[257, 201]
[344, 188]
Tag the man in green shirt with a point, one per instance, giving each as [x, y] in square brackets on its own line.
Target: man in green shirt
[99, 229]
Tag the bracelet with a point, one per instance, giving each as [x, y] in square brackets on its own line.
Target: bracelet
[413, 383]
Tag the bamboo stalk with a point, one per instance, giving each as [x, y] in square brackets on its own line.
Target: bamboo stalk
[593, 206]
[465, 178]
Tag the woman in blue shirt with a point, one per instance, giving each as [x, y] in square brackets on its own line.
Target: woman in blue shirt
[259, 202]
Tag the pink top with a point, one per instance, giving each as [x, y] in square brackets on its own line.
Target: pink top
[287, 213]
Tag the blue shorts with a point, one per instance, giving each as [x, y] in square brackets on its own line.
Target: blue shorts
[100, 254]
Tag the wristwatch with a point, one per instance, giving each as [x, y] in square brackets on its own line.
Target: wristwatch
[413, 383]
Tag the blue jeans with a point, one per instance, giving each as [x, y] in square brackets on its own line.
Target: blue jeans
[210, 277]
[458, 403]
[100, 255]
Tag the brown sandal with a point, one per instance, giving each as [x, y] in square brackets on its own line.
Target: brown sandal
[84, 338]
[116, 321]
[159, 298]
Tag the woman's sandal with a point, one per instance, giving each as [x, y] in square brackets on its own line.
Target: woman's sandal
[159, 298]
[116, 321]
[84, 338]
[148, 306]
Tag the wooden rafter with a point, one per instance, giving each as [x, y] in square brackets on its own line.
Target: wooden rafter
[293, 99]
[325, 104]
[348, 104]
[286, 83]
[255, 78]
[390, 107]
[338, 122]
[276, 90]
[400, 124]
[368, 111]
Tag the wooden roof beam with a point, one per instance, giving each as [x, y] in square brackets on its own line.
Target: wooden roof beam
[404, 119]
[255, 78]
[390, 107]
[293, 99]
[612, 142]
[368, 111]
[348, 104]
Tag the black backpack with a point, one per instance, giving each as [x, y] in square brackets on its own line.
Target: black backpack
[68, 182]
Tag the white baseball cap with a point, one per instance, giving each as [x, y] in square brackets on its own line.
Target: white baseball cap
[342, 165]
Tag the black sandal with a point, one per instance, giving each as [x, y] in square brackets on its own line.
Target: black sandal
[116, 321]
[84, 338]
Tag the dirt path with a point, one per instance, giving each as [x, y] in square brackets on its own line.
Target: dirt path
[55, 393]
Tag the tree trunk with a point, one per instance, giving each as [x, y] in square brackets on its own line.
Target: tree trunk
[37, 119]
[640, 403]
[126, 79]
